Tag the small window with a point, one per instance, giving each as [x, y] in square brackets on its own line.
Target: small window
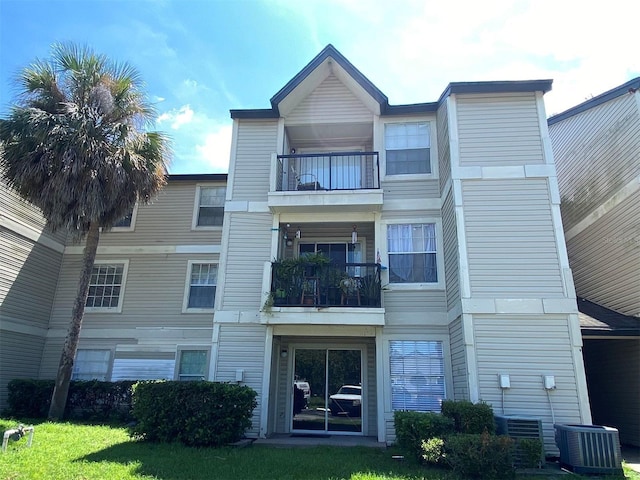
[106, 286]
[412, 253]
[91, 365]
[210, 206]
[407, 148]
[193, 365]
[417, 375]
[126, 223]
[202, 286]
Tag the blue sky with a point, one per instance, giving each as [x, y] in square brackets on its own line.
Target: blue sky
[201, 58]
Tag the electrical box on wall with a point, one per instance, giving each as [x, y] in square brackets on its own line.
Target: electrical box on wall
[504, 380]
[239, 375]
[549, 382]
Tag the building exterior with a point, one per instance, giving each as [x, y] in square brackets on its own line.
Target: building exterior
[597, 149]
[448, 278]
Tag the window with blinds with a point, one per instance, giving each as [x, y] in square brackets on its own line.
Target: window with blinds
[417, 375]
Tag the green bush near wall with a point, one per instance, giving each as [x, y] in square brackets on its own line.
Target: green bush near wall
[470, 417]
[483, 456]
[87, 400]
[193, 413]
[414, 427]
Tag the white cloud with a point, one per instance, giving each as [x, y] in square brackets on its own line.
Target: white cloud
[216, 148]
[177, 117]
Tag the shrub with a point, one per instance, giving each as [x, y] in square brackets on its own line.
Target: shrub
[433, 450]
[469, 417]
[483, 456]
[193, 413]
[528, 452]
[414, 427]
[87, 400]
[28, 398]
[102, 401]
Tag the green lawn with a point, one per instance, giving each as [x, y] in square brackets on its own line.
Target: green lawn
[67, 451]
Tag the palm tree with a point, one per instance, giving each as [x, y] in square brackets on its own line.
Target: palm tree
[76, 145]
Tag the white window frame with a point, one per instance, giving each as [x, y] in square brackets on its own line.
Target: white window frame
[125, 269]
[187, 348]
[196, 207]
[187, 287]
[446, 352]
[440, 284]
[107, 373]
[433, 157]
[132, 225]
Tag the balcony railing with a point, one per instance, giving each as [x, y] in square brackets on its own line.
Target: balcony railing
[295, 284]
[328, 171]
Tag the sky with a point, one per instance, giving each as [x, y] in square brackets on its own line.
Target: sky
[201, 58]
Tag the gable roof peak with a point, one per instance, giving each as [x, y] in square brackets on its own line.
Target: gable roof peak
[330, 53]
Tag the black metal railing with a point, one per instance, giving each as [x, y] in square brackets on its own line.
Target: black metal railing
[297, 283]
[328, 171]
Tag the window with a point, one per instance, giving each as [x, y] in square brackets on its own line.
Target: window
[201, 291]
[91, 365]
[417, 375]
[210, 206]
[193, 365]
[407, 148]
[127, 222]
[412, 253]
[106, 286]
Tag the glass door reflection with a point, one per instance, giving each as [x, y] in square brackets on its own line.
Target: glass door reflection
[327, 390]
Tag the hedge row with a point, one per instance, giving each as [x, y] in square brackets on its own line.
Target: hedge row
[87, 400]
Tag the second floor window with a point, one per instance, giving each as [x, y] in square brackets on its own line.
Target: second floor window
[412, 253]
[105, 286]
[202, 285]
[210, 206]
[407, 148]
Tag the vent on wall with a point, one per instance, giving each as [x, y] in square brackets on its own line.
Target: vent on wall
[589, 449]
[520, 427]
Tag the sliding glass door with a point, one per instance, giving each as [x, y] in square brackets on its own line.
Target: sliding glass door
[327, 391]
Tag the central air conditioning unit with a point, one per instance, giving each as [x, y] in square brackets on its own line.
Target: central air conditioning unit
[589, 448]
[520, 427]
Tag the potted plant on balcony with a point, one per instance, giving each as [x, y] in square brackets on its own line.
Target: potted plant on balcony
[370, 290]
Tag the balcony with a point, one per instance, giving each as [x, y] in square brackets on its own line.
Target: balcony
[338, 180]
[298, 283]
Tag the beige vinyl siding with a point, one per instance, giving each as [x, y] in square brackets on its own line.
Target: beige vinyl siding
[499, 130]
[511, 242]
[450, 252]
[412, 307]
[410, 189]
[166, 221]
[51, 357]
[458, 361]
[500, 349]
[21, 356]
[153, 294]
[248, 248]
[444, 145]
[614, 397]
[605, 259]
[13, 207]
[255, 143]
[596, 153]
[28, 275]
[330, 102]
[241, 346]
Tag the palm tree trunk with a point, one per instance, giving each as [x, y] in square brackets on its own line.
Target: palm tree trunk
[61, 389]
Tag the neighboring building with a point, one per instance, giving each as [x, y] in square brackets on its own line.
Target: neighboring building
[30, 258]
[449, 269]
[597, 149]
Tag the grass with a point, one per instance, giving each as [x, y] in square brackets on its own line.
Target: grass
[68, 451]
